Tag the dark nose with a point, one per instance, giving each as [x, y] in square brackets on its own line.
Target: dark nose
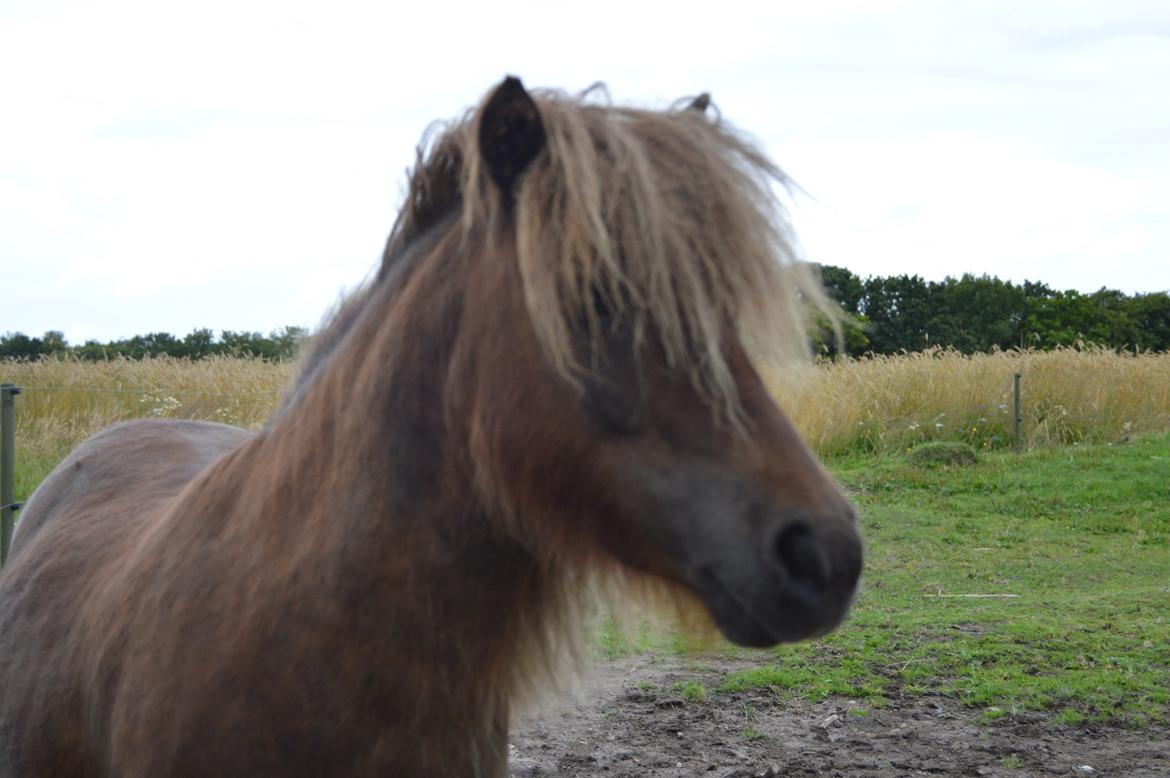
[803, 559]
[819, 565]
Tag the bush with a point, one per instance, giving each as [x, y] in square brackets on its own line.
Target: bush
[943, 452]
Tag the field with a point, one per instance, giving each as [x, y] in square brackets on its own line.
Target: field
[64, 402]
[874, 406]
[1013, 610]
[887, 404]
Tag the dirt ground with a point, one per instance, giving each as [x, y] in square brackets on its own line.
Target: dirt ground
[630, 720]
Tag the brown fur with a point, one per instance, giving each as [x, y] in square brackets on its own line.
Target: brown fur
[368, 585]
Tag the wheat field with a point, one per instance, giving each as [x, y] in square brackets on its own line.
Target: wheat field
[889, 403]
[63, 402]
[878, 405]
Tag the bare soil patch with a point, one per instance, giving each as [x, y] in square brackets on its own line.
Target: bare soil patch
[631, 719]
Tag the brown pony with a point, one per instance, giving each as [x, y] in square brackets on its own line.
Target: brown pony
[549, 383]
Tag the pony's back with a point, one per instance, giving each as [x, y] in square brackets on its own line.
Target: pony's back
[80, 526]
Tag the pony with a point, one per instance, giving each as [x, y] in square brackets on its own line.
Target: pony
[550, 386]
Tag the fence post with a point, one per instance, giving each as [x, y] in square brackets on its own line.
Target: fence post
[8, 504]
[1018, 419]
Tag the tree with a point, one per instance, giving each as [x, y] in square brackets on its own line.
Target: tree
[21, 346]
[976, 313]
[898, 309]
[199, 343]
[54, 342]
[1150, 314]
[843, 286]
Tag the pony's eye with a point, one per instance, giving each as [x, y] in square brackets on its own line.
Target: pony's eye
[602, 308]
[618, 413]
[614, 396]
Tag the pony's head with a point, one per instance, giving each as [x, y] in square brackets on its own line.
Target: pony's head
[609, 279]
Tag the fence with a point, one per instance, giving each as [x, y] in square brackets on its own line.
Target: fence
[105, 405]
[884, 405]
[75, 412]
[8, 504]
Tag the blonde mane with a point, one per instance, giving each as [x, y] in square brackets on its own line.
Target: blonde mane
[668, 220]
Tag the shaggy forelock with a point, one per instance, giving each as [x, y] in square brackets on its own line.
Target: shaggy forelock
[669, 220]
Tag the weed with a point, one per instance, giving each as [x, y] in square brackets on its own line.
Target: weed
[750, 732]
[691, 691]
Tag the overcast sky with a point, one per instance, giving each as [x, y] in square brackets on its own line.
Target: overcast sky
[168, 166]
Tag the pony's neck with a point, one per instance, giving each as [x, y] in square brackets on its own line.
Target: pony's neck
[387, 518]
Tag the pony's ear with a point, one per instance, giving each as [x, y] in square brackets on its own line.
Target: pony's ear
[511, 132]
[700, 103]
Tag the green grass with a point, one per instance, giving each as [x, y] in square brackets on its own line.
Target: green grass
[691, 691]
[750, 732]
[620, 639]
[1080, 535]
[1012, 762]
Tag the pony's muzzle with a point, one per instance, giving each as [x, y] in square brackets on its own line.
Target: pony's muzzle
[770, 567]
[798, 583]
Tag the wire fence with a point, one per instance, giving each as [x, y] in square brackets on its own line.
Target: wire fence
[140, 390]
[55, 416]
[883, 406]
[77, 408]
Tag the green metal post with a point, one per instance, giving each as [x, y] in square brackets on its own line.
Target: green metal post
[8, 505]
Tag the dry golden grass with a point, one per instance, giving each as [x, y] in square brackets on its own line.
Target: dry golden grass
[890, 403]
[882, 404]
[65, 401]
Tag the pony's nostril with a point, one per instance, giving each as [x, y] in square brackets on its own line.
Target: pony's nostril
[803, 558]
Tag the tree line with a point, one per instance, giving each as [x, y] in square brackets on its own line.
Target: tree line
[277, 345]
[886, 314]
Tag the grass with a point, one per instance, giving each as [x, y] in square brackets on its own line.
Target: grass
[691, 691]
[750, 731]
[1081, 536]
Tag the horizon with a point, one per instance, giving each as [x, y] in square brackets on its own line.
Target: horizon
[285, 329]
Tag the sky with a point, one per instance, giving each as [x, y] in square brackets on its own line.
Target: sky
[237, 165]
